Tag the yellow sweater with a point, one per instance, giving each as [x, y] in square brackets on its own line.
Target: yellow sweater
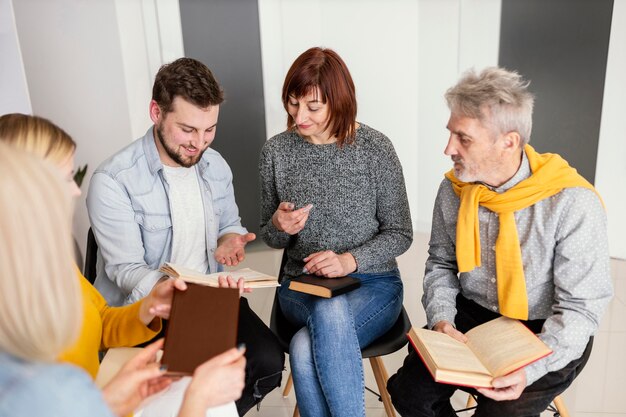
[105, 327]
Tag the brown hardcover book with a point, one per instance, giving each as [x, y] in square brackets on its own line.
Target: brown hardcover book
[203, 324]
[493, 349]
[324, 287]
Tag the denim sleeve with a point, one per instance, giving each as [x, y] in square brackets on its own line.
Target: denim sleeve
[57, 391]
[269, 202]
[441, 283]
[119, 237]
[582, 281]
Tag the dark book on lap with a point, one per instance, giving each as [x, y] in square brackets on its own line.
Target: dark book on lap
[324, 287]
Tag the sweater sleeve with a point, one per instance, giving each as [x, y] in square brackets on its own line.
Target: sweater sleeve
[392, 211]
[104, 327]
[270, 201]
[121, 325]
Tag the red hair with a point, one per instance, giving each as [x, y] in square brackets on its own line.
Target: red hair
[323, 69]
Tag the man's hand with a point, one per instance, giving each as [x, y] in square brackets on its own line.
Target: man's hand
[288, 220]
[229, 282]
[230, 248]
[215, 382]
[447, 328]
[505, 388]
[140, 378]
[330, 265]
[159, 302]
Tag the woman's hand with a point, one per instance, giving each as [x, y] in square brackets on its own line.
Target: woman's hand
[330, 265]
[229, 282]
[159, 302]
[215, 382]
[138, 379]
[288, 220]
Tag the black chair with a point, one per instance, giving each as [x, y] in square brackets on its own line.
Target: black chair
[390, 342]
[91, 256]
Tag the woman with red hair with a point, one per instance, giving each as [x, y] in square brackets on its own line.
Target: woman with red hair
[333, 197]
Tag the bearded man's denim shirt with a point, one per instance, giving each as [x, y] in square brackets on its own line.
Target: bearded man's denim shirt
[129, 210]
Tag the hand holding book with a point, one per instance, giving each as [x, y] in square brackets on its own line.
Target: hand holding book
[506, 388]
[230, 282]
[329, 264]
[494, 349]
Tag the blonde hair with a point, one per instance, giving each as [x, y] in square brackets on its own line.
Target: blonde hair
[38, 136]
[496, 96]
[40, 305]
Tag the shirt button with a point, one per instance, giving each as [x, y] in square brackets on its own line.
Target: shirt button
[493, 280]
[494, 308]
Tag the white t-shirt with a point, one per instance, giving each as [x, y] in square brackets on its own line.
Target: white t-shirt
[187, 211]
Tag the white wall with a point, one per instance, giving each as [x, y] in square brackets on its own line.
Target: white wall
[14, 97]
[454, 35]
[402, 55]
[611, 166]
[90, 66]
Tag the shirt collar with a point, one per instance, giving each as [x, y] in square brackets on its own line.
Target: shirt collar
[151, 152]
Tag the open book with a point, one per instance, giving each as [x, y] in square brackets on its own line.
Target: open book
[493, 349]
[253, 279]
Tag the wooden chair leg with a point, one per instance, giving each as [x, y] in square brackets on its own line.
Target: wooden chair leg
[559, 404]
[296, 411]
[380, 373]
[288, 386]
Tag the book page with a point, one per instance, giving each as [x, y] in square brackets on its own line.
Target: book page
[505, 345]
[448, 353]
[190, 275]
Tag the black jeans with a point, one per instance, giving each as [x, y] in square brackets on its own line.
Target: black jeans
[265, 358]
[414, 392]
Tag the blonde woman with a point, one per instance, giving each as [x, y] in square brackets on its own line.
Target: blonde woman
[39, 306]
[103, 326]
[217, 382]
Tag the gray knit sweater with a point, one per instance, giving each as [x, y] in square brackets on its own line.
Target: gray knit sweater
[358, 195]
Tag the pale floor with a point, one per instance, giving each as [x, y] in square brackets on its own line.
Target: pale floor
[598, 392]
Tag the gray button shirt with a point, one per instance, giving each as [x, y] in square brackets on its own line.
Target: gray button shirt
[565, 255]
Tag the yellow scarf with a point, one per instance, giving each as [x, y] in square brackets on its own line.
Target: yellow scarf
[550, 174]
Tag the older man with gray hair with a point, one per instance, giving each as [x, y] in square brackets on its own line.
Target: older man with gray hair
[515, 233]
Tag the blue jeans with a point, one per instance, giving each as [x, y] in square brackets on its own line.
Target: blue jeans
[325, 354]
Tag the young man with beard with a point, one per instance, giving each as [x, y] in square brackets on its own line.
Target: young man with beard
[515, 233]
[168, 197]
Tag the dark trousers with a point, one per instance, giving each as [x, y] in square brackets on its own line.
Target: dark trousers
[265, 358]
[414, 392]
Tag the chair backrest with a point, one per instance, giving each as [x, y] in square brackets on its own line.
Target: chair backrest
[91, 256]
